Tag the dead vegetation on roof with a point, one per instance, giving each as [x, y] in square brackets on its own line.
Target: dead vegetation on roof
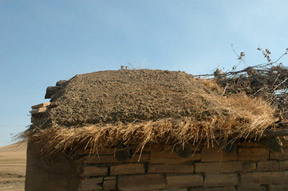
[111, 108]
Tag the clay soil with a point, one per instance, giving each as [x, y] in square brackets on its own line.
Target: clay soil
[123, 95]
[13, 167]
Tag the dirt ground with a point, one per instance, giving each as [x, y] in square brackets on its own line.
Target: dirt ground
[13, 167]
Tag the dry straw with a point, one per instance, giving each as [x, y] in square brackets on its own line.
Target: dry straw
[220, 120]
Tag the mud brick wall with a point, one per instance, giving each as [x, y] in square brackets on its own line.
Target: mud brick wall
[249, 167]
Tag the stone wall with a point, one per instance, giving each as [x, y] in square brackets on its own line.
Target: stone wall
[249, 167]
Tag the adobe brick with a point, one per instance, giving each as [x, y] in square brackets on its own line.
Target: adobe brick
[230, 188]
[268, 166]
[217, 180]
[172, 169]
[281, 187]
[279, 156]
[94, 171]
[216, 154]
[172, 158]
[141, 182]
[109, 158]
[253, 154]
[109, 185]
[184, 181]
[251, 188]
[257, 178]
[131, 168]
[283, 165]
[224, 167]
[90, 184]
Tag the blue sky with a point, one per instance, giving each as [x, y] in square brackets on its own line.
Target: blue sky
[43, 41]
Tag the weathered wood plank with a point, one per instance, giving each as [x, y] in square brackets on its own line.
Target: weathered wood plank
[41, 105]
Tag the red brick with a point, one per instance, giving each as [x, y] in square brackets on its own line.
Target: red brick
[268, 166]
[224, 167]
[279, 156]
[132, 168]
[217, 180]
[253, 154]
[94, 171]
[141, 182]
[216, 154]
[172, 169]
[257, 178]
[184, 181]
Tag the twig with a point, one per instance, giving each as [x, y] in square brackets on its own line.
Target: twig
[224, 91]
[280, 84]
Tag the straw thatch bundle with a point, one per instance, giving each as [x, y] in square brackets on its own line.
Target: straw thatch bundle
[110, 108]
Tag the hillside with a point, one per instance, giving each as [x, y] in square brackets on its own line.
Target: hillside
[13, 166]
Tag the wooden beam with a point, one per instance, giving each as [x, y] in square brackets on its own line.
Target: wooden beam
[41, 105]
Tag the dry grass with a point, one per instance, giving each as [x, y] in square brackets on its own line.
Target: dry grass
[217, 119]
[13, 167]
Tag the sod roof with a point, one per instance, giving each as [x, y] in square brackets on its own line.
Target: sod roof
[148, 106]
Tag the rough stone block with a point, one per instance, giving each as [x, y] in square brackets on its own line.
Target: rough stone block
[217, 180]
[257, 178]
[183, 181]
[132, 168]
[218, 167]
[283, 165]
[253, 154]
[172, 169]
[216, 154]
[268, 166]
[94, 171]
[279, 156]
[141, 182]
